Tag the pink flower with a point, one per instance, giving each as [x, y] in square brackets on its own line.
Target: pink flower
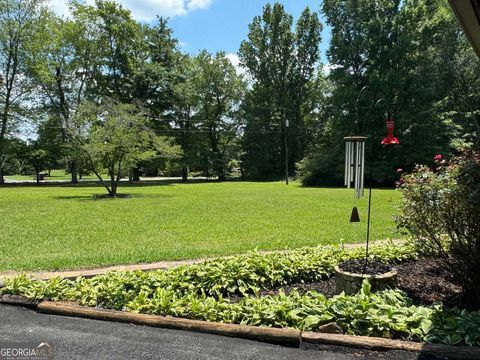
[438, 157]
[399, 170]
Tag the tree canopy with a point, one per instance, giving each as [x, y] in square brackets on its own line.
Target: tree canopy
[283, 114]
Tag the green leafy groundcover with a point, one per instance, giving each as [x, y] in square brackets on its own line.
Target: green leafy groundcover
[202, 292]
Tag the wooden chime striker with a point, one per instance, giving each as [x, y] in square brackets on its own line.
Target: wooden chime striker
[355, 168]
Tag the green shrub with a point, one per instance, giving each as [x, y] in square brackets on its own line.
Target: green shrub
[441, 209]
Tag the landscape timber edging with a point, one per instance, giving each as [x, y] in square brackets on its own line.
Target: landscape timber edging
[376, 343]
[18, 300]
[274, 335]
[267, 334]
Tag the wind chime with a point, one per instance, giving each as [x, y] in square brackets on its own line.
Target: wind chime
[355, 163]
[355, 168]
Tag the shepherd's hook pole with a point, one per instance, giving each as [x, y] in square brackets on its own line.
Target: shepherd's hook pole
[371, 183]
[286, 150]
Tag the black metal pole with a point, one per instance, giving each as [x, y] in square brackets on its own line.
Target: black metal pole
[285, 139]
[369, 210]
[370, 183]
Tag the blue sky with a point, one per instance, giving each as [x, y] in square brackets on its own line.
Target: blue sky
[214, 25]
[224, 24]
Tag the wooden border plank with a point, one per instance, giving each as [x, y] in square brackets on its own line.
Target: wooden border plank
[274, 335]
[18, 300]
[375, 343]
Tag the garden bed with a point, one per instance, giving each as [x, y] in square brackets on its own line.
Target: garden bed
[270, 290]
[423, 280]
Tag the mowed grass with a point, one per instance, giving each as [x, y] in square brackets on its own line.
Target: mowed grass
[47, 228]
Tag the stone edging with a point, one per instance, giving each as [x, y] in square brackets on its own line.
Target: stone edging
[350, 283]
[289, 337]
[366, 276]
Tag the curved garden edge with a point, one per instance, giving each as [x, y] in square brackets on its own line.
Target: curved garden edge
[289, 337]
[161, 265]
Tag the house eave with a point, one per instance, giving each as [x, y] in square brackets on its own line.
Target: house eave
[468, 14]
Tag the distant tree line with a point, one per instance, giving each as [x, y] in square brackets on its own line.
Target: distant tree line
[106, 94]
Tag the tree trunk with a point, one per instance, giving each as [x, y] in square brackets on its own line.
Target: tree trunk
[221, 173]
[136, 175]
[37, 172]
[73, 172]
[49, 172]
[219, 160]
[113, 185]
[184, 172]
[2, 179]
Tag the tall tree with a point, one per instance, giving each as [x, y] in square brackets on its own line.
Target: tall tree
[157, 72]
[62, 66]
[205, 117]
[184, 123]
[281, 62]
[119, 43]
[220, 90]
[408, 54]
[18, 22]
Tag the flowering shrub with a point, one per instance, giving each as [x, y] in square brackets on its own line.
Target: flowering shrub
[441, 210]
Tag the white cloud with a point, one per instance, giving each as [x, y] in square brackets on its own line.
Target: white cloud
[233, 59]
[327, 68]
[59, 6]
[146, 10]
[235, 62]
[198, 4]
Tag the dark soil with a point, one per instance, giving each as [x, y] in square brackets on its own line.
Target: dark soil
[424, 281]
[359, 266]
[108, 196]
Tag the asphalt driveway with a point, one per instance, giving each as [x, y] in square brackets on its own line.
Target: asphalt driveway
[74, 338]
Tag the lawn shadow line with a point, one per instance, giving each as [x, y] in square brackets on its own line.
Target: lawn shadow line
[104, 196]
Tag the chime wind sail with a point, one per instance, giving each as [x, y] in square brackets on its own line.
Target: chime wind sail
[355, 163]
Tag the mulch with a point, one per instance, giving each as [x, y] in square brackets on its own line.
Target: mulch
[360, 266]
[424, 281]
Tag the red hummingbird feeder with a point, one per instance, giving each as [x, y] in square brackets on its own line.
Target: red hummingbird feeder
[390, 139]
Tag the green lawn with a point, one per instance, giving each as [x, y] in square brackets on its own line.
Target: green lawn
[65, 227]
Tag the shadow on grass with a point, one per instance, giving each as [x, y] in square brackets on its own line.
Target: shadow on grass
[105, 197]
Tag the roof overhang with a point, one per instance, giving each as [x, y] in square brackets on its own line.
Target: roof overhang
[468, 13]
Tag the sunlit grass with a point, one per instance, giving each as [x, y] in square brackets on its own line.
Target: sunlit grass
[65, 227]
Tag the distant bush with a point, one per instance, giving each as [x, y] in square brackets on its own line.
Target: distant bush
[441, 209]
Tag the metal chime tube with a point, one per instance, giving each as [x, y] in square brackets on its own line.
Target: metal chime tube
[357, 168]
[362, 170]
[352, 164]
[355, 164]
[347, 162]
